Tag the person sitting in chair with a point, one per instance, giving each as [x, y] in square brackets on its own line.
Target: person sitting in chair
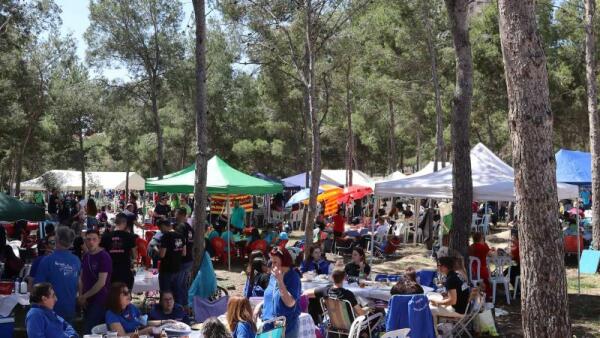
[336, 291]
[167, 309]
[315, 262]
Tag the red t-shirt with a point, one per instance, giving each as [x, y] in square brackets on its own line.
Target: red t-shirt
[480, 250]
[514, 252]
[338, 223]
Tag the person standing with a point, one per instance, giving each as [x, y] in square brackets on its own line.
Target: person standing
[61, 269]
[162, 209]
[120, 244]
[187, 232]
[238, 217]
[41, 320]
[53, 205]
[172, 249]
[94, 282]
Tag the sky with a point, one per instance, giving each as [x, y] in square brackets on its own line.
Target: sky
[75, 21]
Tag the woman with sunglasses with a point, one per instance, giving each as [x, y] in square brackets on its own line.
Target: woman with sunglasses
[283, 292]
[122, 316]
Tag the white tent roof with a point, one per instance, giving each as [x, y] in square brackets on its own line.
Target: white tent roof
[428, 169]
[493, 180]
[339, 176]
[396, 175]
[69, 180]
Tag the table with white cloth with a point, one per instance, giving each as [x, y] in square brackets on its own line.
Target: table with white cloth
[306, 328]
[8, 302]
[145, 281]
[363, 295]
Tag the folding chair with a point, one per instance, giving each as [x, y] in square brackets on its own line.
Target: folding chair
[276, 331]
[341, 319]
[460, 325]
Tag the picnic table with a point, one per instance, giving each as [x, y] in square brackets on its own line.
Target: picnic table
[145, 281]
[364, 295]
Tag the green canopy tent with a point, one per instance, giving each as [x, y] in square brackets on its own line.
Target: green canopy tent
[221, 179]
[11, 210]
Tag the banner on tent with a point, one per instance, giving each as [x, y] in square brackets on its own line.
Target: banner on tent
[218, 203]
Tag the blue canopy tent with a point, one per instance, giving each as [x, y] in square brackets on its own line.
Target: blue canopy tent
[573, 167]
[299, 182]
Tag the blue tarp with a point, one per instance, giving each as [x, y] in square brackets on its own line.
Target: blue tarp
[574, 167]
[299, 182]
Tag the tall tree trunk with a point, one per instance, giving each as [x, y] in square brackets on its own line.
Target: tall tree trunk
[462, 185]
[392, 138]
[200, 192]
[314, 124]
[19, 159]
[544, 304]
[350, 142]
[127, 182]
[82, 160]
[402, 156]
[418, 139]
[590, 72]
[439, 122]
[157, 128]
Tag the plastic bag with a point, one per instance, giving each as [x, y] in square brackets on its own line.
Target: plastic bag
[484, 323]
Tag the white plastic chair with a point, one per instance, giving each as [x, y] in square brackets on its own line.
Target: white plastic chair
[478, 280]
[517, 285]
[474, 222]
[485, 224]
[401, 333]
[497, 276]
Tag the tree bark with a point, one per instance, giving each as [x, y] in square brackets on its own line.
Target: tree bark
[392, 138]
[462, 185]
[439, 122]
[127, 181]
[19, 159]
[200, 191]
[418, 133]
[309, 76]
[157, 128]
[590, 72]
[544, 304]
[82, 160]
[350, 142]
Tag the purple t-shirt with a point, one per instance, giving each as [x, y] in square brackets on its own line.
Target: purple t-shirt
[92, 266]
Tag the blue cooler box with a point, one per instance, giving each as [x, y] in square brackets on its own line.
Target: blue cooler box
[7, 327]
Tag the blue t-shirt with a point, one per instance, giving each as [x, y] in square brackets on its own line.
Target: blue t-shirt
[177, 314]
[129, 318]
[273, 305]
[61, 269]
[321, 267]
[243, 330]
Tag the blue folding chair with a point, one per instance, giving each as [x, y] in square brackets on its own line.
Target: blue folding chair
[420, 320]
[425, 278]
[381, 277]
[397, 315]
[394, 278]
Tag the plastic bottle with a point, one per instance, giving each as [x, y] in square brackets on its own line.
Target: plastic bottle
[17, 285]
[23, 287]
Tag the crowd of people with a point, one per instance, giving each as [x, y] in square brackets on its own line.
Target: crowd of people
[87, 263]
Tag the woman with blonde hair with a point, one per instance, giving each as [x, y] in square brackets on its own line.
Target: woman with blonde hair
[239, 318]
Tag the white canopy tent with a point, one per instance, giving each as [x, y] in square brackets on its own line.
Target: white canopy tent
[493, 180]
[339, 176]
[70, 180]
[428, 168]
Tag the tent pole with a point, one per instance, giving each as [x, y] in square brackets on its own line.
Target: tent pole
[230, 235]
[373, 230]
[578, 249]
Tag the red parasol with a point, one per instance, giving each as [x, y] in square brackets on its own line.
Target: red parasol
[354, 192]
